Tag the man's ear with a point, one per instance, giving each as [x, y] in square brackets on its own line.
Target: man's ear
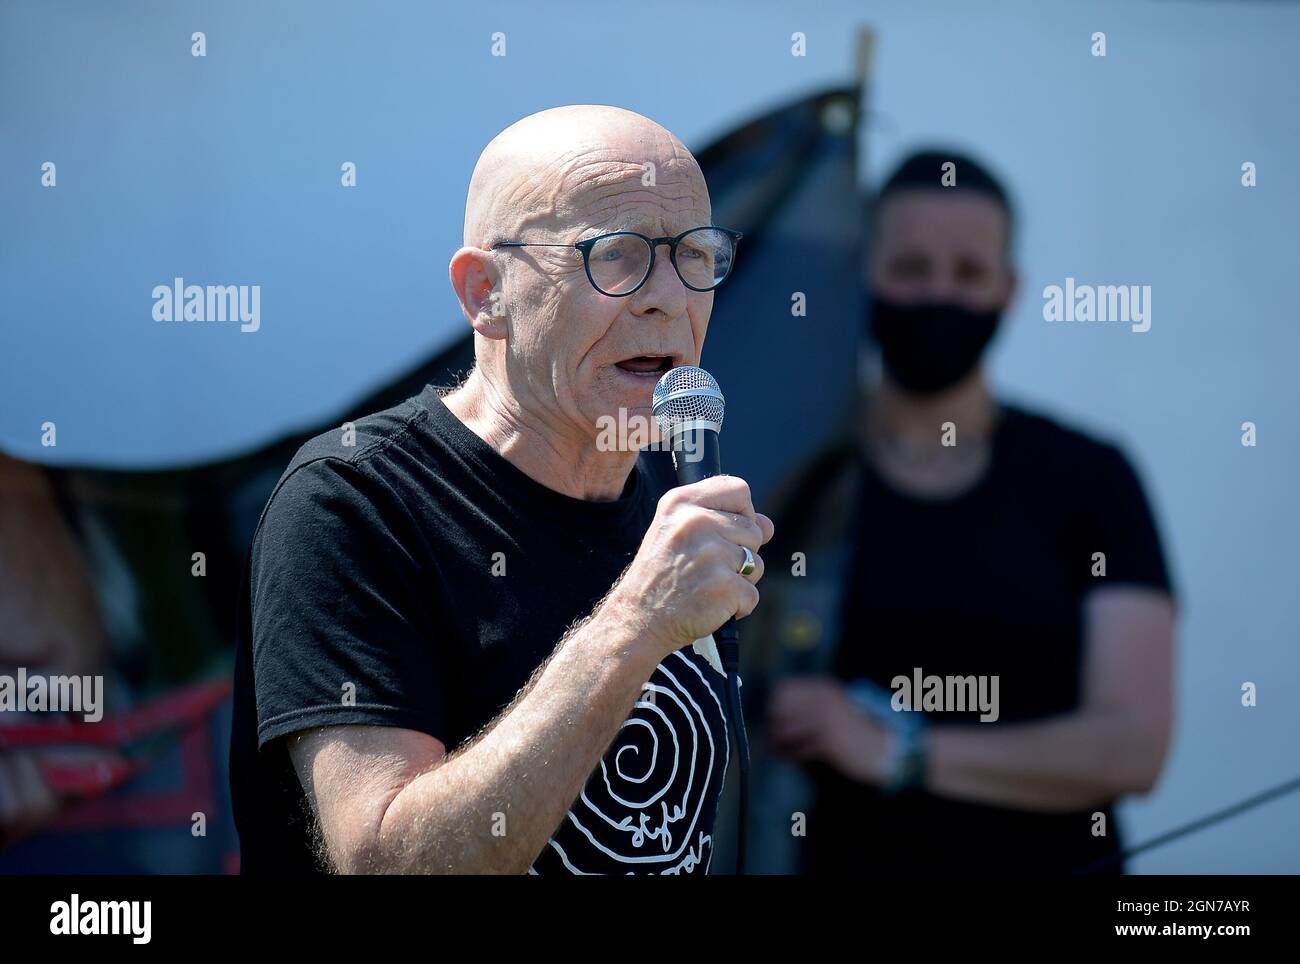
[477, 284]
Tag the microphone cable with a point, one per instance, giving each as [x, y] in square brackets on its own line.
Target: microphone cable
[728, 639]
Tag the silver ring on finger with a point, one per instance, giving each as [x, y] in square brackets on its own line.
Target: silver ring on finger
[748, 565]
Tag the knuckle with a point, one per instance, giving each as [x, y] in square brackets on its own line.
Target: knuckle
[675, 497]
[737, 490]
[693, 520]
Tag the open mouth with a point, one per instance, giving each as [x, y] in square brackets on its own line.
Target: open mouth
[646, 365]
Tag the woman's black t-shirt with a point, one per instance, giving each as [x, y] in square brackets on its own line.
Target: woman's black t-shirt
[988, 583]
[417, 579]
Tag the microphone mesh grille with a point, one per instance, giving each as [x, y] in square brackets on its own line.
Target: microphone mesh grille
[687, 394]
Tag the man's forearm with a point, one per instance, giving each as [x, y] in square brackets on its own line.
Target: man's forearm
[491, 806]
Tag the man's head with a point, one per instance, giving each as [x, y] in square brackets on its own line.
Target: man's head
[939, 267]
[547, 343]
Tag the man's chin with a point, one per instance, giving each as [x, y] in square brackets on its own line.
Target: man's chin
[629, 426]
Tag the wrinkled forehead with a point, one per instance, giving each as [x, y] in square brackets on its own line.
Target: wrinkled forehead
[658, 193]
[577, 169]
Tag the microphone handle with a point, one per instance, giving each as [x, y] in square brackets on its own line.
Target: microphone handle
[697, 455]
[702, 459]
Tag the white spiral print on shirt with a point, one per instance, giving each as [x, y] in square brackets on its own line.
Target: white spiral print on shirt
[645, 803]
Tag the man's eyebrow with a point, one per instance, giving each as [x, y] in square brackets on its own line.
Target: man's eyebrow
[586, 234]
[624, 222]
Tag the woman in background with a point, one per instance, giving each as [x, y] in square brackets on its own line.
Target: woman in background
[961, 538]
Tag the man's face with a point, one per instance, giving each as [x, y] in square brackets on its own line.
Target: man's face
[936, 247]
[578, 354]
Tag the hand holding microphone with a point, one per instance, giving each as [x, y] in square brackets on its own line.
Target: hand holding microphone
[686, 580]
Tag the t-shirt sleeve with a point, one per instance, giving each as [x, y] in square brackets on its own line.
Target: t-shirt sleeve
[1117, 521]
[342, 612]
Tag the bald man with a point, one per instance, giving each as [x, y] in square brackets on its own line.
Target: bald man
[478, 640]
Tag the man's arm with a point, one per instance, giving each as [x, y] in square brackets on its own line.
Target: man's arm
[389, 801]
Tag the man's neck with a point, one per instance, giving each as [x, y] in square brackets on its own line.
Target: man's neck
[557, 457]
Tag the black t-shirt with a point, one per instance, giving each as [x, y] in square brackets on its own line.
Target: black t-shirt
[990, 582]
[417, 579]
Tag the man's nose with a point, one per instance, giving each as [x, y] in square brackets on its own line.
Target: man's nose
[663, 289]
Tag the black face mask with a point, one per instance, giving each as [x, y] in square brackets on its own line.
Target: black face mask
[929, 347]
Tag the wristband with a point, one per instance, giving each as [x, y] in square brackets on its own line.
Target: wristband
[906, 755]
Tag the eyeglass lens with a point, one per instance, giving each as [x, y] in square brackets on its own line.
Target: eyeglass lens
[620, 262]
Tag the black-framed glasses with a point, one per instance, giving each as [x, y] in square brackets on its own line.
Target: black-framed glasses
[620, 262]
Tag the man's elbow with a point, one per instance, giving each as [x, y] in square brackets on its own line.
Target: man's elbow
[400, 844]
[369, 841]
[361, 855]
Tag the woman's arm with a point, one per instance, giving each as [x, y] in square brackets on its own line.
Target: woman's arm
[1113, 744]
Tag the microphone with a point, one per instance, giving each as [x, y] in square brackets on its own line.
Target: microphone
[689, 406]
